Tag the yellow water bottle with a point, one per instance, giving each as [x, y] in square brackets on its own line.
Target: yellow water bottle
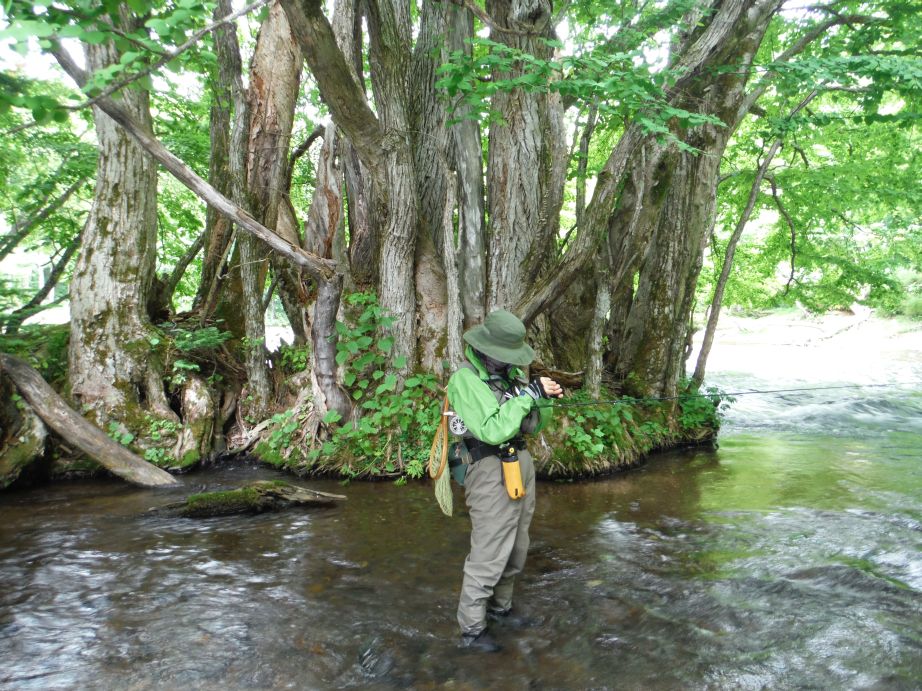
[512, 474]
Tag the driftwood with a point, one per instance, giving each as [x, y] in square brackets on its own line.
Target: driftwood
[256, 497]
[79, 432]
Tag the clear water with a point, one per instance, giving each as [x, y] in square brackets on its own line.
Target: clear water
[789, 557]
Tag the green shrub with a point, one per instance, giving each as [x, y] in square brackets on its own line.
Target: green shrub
[391, 435]
[912, 306]
[699, 410]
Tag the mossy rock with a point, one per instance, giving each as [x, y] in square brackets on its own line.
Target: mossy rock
[256, 497]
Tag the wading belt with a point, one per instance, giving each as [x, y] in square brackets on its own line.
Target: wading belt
[479, 449]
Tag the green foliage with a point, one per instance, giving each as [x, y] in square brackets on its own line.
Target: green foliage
[118, 433]
[699, 410]
[187, 341]
[189, 350]
[622, 87]
[594, 430]
[911, 284]
[42, 346]
[295, 358]
[285, 425]
[156, 30]
[391, 434]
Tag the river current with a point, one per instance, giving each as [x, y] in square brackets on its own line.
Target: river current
[790, 556]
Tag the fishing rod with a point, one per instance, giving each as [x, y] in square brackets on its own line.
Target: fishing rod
[718, 394]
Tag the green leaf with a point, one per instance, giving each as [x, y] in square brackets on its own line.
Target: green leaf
[95, 37]
[349, 378]
[331, 417]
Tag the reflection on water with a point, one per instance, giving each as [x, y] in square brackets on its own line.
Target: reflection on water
[789, 557]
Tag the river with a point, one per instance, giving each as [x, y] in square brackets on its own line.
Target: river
[788, 557]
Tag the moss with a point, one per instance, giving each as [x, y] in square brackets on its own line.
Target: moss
[67, 468]
[254, 498]
[189, 459]
[270, 456]
[230, 501]
[17, 456]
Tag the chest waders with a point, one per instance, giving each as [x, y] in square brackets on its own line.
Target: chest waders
[500, 497]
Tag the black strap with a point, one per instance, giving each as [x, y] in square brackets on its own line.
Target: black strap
[479, 449]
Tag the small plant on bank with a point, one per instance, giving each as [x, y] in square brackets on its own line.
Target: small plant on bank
[295, 358]
[705, 409]
[594, 430]
[390, 435]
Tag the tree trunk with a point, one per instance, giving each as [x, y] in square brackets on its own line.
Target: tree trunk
[324, 219]
[218, 237]
[679, 201]
[275, 77]
[364, 246]
[467, 160]
[22, 434]
[113, 371]
[527, 162]
[395, 186]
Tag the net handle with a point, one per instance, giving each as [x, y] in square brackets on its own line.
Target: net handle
[440, 439]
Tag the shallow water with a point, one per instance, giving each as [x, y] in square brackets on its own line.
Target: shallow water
[789, 557]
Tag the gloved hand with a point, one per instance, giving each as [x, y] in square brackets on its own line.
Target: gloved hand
[534, 389]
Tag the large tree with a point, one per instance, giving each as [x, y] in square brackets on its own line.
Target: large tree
[474, 161]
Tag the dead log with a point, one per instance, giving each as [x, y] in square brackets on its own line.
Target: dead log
[79, 432]
[256, 497]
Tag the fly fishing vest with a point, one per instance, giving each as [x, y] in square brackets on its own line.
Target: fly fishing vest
[504, 390]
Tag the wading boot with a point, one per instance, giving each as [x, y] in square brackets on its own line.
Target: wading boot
[510, 619]
[479, 642]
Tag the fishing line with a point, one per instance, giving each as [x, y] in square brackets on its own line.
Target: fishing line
[717, 394]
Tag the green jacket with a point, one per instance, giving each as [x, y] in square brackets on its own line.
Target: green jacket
[490, 406]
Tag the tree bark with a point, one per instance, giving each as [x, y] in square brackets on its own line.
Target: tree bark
[22, 434]
[112, 370]
[315, 266]
[382, 142]
[218, 236]
[527, 162]
[653, 341]
[76, 431]
[324, 219]
[364, 245]
[275, 77]
[466, 158]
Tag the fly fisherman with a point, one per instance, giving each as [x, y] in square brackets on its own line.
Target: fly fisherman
[494, 404]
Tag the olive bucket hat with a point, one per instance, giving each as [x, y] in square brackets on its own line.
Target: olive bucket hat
[502, 337]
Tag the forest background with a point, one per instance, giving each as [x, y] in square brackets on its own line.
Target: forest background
[380, 174]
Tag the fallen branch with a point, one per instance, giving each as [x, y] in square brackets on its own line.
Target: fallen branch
[79, 432]
[256, 497]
